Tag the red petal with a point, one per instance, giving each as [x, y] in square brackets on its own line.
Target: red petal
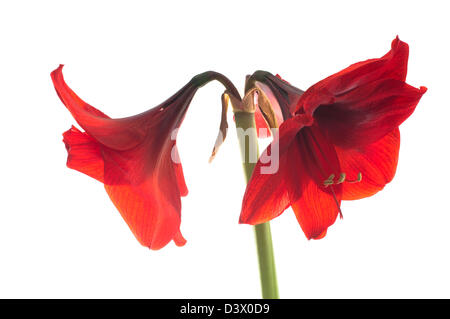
[153, 218]
[318, 206]
[144, 186]
[74, 103]
[367, 113]
[150, 206]
[318, 155]
[377, 162]
[119, 134]
[266, 195]
[84, 154]
[316, 209]
[392, 65]
[179, 240]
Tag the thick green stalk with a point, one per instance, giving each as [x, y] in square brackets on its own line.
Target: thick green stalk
[245, 123]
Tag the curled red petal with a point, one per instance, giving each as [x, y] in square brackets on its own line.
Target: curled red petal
[84, 154]
[120, 134]
[179, 240]
[393, 65]
[72, 101]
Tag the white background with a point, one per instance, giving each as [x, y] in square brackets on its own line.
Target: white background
[60, 236]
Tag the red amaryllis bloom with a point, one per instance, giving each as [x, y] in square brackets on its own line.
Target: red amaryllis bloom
[340, 142]
[136, 158]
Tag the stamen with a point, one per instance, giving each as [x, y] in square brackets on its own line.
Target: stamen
[329, 181]
[341, 178]
[358, 179]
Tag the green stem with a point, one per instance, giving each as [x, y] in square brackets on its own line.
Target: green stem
[245, 122]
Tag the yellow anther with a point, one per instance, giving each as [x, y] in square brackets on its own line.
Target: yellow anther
[358, 179]
[329, 181]
[341, 178]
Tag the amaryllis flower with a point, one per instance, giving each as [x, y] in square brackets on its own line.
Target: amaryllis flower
[340, 142]
[135, 158]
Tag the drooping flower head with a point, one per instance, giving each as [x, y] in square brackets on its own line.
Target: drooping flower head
[339, 142]
[135, 158]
